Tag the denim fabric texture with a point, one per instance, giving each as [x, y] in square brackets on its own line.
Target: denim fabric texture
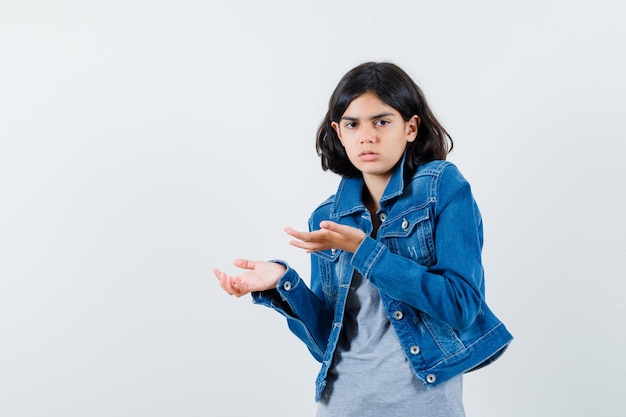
[426, 262]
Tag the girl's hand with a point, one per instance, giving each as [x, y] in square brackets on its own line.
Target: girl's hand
[259, 276]
[331, 236]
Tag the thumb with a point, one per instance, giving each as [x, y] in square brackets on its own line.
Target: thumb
[244, 263]
[328, 225]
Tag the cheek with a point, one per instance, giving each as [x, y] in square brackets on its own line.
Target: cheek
[351, 150]
[347, 140]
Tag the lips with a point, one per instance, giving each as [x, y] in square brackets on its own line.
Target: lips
[368, 155]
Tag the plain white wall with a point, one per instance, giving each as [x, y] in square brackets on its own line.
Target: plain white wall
[143, 143]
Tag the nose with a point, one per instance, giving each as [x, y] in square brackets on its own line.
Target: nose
[368, 134]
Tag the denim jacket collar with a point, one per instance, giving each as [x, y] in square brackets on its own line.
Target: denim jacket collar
[349, 193]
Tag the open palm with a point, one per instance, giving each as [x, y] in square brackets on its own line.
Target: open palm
[258, 276]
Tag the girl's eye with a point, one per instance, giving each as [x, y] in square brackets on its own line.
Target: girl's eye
[351, 125]
[382, 122]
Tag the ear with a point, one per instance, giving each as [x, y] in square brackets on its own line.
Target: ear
[335, 126]
[412, 126]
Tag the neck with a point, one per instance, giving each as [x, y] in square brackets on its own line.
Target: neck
[372, 207]
[375, 187]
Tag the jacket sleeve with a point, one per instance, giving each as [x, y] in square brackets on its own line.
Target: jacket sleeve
[306, 315]
[451, 290]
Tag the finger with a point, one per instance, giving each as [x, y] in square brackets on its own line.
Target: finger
[298, 244]
[228, 283]
[308, 246]
[298, 235]
[224, 282]
[221, 276]
[327, 224]
[234, 286]
[344, 237]
[240, 287]
[243, 263]
[331, 226]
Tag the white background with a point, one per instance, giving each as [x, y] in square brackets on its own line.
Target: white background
[143, 143]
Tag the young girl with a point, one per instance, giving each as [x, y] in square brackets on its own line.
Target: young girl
[396, 310]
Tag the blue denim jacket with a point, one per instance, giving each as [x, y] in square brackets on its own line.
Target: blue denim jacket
[426, 262]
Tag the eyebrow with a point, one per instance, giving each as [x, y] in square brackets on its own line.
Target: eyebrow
[376, 116]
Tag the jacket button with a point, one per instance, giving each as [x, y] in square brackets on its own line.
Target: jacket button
[382, 217]
[287, 285]
[397, 315]
[430, 378]
[405, 224]
[415, 349]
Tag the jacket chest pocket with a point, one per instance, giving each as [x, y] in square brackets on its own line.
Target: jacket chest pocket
[410, 234]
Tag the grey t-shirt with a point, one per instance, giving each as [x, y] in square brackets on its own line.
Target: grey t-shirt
[370, 374]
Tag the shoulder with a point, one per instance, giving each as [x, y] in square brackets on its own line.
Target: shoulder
[437, 168]
[439, 182]
[442, 173]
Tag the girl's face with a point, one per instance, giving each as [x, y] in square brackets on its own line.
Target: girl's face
[374, 135]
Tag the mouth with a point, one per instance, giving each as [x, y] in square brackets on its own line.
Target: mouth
[368, 155]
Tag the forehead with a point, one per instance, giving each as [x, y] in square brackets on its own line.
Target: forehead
[368, 104]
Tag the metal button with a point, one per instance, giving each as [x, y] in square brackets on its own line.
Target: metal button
[430, 378]
[382, 217]
[287, 285]
[333, 250]
[397, 315]
[415, 349]
[405, 224]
